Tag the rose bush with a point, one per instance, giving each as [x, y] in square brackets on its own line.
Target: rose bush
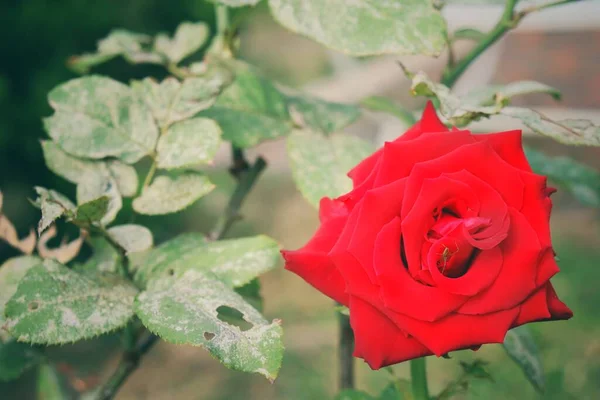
[443, 244]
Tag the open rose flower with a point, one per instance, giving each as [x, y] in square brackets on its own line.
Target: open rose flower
[443, 244]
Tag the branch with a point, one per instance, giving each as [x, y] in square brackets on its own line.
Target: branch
[508, 21]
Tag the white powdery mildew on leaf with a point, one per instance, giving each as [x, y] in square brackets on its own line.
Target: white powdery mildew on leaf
[55, 305]
[99, 186]
[183, 310]
[237, 3]
[171, 101]
[235, 262]
[104, 258]
[322, 115]
[520, 346]
[171, 194]
[187, 143]
[133, 238]
[53, 205]
[188, 38]
[250, 110]
[97, 117]
[11, 273]
[320, 164]
[366, 27]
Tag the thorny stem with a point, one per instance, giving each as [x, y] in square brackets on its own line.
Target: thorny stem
[509, 20]
[346, 346]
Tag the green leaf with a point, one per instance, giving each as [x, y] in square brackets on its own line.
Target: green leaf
[80, 171]
[520, 346]
[171, 101]
[16, 358]
[578, 179]
[250, 110]
[11, 273]
[187, 143]
[134, 47]
[320, 164]
[105, 257]
[383, 104]
[567, 131]
[184, 310]
[366, 27]
[469, 34]
[53, 205]
[171, 194]
[234, 261]
[188, 39]
[133, 238]
[321, 115]
[103, 186]
[92, 211]
[97, 117]
[353, 394]
[49, 385]
[54, 305]
[237, 3]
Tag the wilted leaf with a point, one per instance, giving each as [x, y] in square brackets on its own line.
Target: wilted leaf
[16, 358]
[188, 39]
[9, 234]
[53, 205]
[11, 273]
[234, 261]
[320, 164]
[187, 143]
[184, 310]
[132, 238]
[49, 385]
[171, 194]
[366, 27]
[321, 115]
[580, 180]
[134, 47]
[97, 117]
[63, 253]
[54, 304]
[250, 110]
[171, 101]
[520, 346]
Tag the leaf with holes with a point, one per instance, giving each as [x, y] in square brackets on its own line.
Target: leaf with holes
[184, 310]
[171, 101]
[188, 39]
[171, 194]
[16, 358]
[134, 47]
[80, 171]
[53, 205]
[520, 346]
[54, 305]
[11, 273]
[234, 261]
[578, 179]
[250, 110]
[369, 27]
[132, 238]
[187, 143]
[97, 117]
[320, 164]
[321, 115]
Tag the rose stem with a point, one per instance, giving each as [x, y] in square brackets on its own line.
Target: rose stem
[418, 374]
[346, 346]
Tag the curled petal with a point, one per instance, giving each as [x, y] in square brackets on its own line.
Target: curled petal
[542, 305]
[509, 146]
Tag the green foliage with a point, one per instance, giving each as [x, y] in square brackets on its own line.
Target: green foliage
[320, 164]
[390, 392]
[578, 179]
[520, 346]
[16, 358]
[54, 304]
[320, 115]
[188, 38]
[369, 26]
[11, 272]
[169, 194]
[237, 3]
[183, 309]
[49, 385]
[105, 257]
[469, 34]
[382, 104]
[236, 262]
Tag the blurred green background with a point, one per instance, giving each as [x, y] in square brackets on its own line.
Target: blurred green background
[38, 36]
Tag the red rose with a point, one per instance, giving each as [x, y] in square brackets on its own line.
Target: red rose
[443, 244]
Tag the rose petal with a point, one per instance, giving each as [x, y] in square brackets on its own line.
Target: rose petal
[547, 267]
[377, 340]
[537, 206]
[430, 122]
[542, 305]
[509, 146]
